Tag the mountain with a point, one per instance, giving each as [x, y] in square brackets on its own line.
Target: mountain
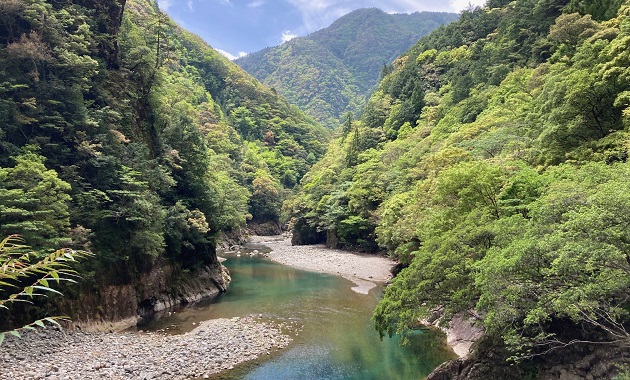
[124, 134]
[332, 71]
[492, 162]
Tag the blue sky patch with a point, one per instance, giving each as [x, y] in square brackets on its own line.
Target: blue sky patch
[238, 27]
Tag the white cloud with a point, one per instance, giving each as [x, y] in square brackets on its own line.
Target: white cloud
[256, 4]
[230, 56]
[288, 36]
[408, 6]
[190, 5]
[317, 14]
[164, 4]
[459, 5]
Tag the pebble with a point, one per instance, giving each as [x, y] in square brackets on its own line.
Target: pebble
[214, 346]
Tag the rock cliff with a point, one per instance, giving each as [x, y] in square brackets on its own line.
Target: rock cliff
[576, 362]
[115, 307]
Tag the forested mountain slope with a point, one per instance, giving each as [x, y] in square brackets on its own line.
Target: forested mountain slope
[124, 134]
[333, 71]
[492, 162]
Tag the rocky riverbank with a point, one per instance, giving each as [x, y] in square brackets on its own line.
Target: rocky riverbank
[100, 306]
[363, 269]
[214, 346]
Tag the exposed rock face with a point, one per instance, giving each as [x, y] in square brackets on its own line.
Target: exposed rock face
[227, 240]
[578, 362]
[332, 240]
[462, 333]
[265, 229]
[484, 358]
[304, 234]
[113, 307]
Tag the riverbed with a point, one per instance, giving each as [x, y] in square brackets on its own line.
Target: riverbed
[364, 270]
[275, 322]
[336, 340]
[210, 347]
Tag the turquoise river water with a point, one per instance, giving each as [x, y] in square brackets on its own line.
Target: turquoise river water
[338, 341]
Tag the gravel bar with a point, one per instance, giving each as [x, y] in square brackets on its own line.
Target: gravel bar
[214, 346]
[365, 270]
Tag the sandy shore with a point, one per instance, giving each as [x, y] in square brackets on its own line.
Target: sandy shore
[362, 269]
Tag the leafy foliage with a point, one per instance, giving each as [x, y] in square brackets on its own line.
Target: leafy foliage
[33, 201]
[121, 132]
[491, 162]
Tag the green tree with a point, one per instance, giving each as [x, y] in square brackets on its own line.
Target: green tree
[572, 28]
[266, 199]
[347, 124]
[34, 202]
[570, 260]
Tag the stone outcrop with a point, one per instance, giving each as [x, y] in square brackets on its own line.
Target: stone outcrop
[115, 307]
[483, 358]
[576, 362]
[265, 229]
[303, 234]
[462, 331]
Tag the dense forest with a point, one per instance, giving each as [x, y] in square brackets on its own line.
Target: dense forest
[492, 163]
[123, 134]
[333, 71]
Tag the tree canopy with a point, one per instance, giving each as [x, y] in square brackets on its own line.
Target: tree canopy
[491, 162]
[122, 132]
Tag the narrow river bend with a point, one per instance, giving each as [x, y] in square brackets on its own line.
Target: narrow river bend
[338, 340]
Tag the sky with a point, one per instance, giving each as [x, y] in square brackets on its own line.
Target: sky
[238, 27]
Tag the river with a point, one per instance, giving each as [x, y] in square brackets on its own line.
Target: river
[338, 340]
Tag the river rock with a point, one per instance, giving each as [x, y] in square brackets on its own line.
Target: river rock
[83, 355]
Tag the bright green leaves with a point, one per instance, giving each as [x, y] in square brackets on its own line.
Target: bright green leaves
[332, 72]
[244, 122]
[599, 9]
[503, 189]
[136, 124]
[583, 98]
[469, 186]
[455, 226]
[570, 260]
[34, 202]
[577, 108]
[266, 199]
[572, 28]
[341, 199]
[135, 211]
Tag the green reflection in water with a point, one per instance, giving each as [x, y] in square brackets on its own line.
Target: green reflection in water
[338, 340]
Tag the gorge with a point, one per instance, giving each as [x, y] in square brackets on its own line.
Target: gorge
[490, 162]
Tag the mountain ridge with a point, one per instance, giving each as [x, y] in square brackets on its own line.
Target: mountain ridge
[356, 47]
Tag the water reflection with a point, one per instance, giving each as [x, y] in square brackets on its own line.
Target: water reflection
[338, 340]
